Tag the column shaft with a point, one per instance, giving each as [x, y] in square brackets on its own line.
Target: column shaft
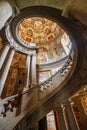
[33, 70]
[28, 71]
[61, 118]
[6, 70]
[3, 55]
[70, 117]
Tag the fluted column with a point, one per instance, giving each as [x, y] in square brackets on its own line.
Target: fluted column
[6, 70]
[33, 70]
[70, 117]
[3, 55]
[28, 71]
[61, 118]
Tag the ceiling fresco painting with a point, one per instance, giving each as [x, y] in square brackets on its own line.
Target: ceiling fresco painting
[38, 30]
[46, 34]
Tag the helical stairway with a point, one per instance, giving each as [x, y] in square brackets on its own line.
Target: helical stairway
[20, 111]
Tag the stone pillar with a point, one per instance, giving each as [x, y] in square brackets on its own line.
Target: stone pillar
[6, 70]
[70, 117]
[42, 124]
[3, 55]
[61, 118]
[28, 60]
[33, 70]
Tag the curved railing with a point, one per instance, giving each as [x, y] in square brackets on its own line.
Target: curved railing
[62, 72]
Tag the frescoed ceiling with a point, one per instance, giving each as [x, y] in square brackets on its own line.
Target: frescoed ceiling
[52, 40]
[38, 30]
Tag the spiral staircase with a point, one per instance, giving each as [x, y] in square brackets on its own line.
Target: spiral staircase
[22, 110]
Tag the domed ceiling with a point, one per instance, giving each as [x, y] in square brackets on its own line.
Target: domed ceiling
[53, 42]
[38, 30]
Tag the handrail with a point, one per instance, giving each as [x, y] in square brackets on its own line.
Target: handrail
[63, 68]
[62, 71]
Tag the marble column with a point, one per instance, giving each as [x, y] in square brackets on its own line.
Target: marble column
[3, 55]
[28, 60]
[33, 70]
[61, 118]
[6, 70]
[70, 117]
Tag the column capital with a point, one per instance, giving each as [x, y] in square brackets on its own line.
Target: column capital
[60, 108]
[33, 55]
[67, 102]
[8, 45]
[28, 55]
